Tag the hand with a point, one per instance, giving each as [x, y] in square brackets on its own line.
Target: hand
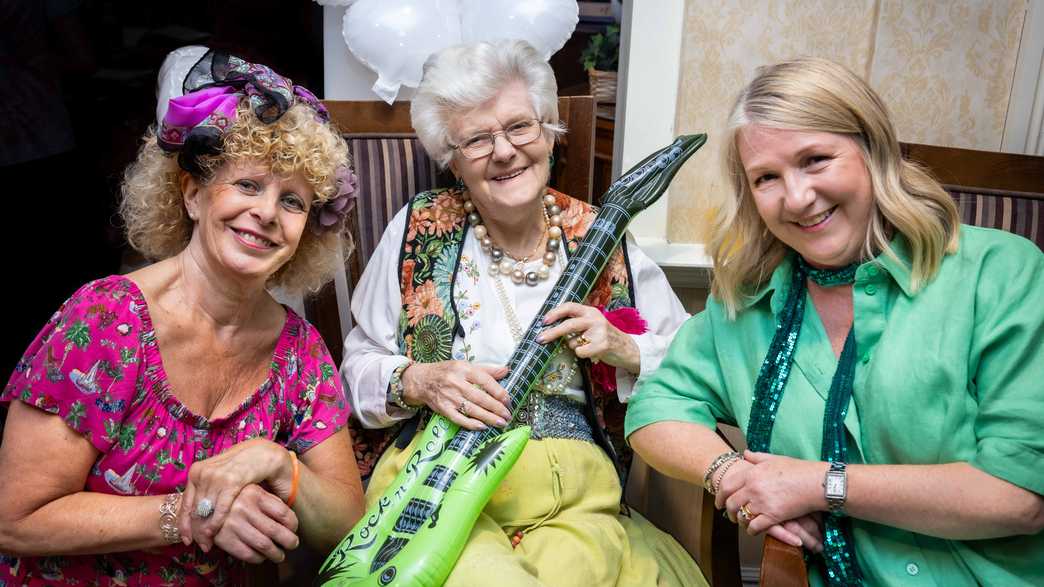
[605, 342]
[802, 531]
[220, 479]
[259, 526]
[774, 488]
[807, 529]
[466, 393]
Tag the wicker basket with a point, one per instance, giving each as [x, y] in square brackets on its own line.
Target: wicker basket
[603, 86]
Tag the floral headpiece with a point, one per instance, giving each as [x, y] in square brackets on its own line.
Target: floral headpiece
[329, 217]
[195, 122]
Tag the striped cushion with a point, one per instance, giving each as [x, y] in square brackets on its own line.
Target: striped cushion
[1020, 215]
[391, 168]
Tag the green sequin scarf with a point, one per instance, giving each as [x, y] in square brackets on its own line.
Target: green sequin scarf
[838, 551]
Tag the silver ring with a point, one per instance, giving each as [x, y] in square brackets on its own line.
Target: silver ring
[205, 508]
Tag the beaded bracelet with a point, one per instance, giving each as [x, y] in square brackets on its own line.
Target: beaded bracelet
[169, 518]
[396, 388]
[714, 466]
[294, 478]
[721, 474]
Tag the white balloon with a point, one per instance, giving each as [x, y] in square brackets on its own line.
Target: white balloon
[394, 38]
[545, 24]
[171, 80]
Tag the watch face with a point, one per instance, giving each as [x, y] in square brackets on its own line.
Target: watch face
[835, 484]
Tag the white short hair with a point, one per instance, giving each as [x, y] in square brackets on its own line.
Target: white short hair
[462, 77]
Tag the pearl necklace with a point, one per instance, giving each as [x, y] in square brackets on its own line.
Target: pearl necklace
[507, 264]
[515, 325]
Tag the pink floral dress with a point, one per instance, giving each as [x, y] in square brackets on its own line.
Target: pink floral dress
[97, 365]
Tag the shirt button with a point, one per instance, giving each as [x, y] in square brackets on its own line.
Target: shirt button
[912, 569]
[866, 357]
[870, 289]
[872, 270]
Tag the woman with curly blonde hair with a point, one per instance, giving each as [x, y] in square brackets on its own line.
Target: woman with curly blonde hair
[883, 361]
[160, 414]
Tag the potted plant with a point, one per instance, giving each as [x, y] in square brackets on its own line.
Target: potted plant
[600, 58]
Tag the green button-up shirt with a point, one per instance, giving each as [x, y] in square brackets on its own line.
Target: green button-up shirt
[953, 372]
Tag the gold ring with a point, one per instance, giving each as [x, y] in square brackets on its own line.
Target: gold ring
[463, 408]
[582, 341]
[746, 514]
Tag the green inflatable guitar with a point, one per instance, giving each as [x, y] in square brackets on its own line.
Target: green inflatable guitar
[415, 532]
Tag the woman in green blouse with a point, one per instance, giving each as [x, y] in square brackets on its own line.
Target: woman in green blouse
[885, 363]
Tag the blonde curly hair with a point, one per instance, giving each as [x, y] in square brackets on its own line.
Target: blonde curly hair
[153, 207]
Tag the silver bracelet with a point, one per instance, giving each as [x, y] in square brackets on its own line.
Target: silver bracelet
[169, 518]
[721, 475]
[708, 477]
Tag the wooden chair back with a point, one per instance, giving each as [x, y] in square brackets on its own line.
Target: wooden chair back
[993, 190]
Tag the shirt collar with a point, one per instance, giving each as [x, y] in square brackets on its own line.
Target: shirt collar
[898, 268]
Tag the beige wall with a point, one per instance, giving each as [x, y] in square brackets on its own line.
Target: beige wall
[944, 67]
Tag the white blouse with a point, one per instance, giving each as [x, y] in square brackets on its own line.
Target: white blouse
[371, 351]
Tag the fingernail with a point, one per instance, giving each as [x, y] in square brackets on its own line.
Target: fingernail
[501, 422]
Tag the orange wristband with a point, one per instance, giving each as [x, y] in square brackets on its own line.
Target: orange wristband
[294, 478]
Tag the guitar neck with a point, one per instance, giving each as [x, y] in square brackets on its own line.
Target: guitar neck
[575, 283]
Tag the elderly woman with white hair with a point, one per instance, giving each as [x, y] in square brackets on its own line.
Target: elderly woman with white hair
[457, 276]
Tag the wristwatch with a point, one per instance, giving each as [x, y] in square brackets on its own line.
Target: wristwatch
[396, 389]
[835, 487]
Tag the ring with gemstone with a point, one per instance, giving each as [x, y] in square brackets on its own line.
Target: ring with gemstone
[205, 508]
[746, 514]
[463, 408]
[582, 341]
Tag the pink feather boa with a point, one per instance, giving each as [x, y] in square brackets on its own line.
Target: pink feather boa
[628, 321]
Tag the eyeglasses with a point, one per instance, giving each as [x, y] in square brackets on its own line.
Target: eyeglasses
[519, 134]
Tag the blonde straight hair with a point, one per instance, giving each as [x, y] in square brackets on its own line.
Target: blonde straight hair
[811, 94]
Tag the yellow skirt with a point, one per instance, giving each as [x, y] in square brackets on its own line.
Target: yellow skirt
[564, 496]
